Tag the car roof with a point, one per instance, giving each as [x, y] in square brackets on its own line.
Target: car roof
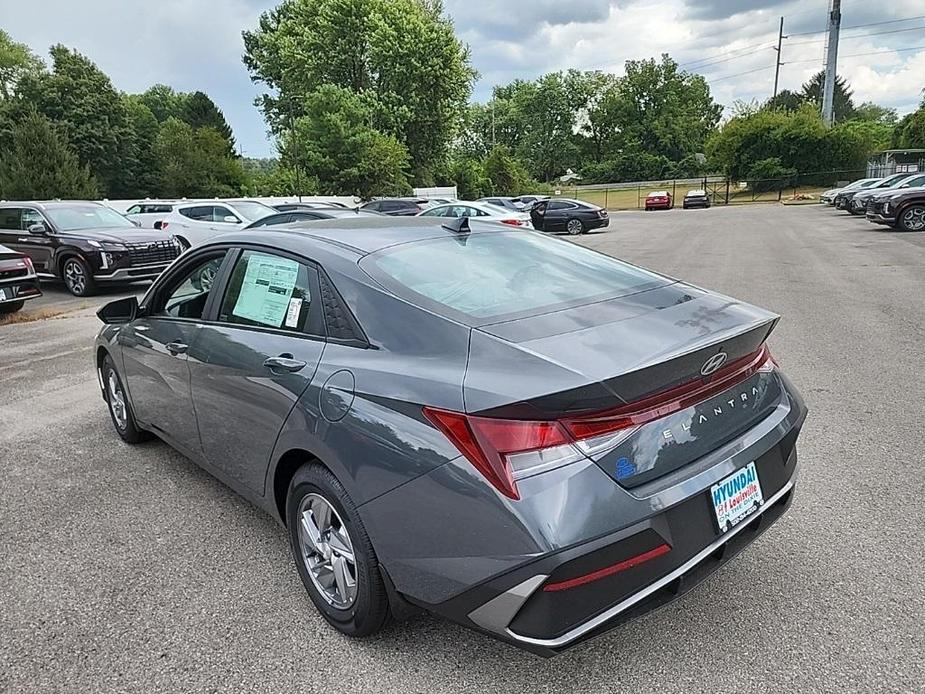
[361, 235]
[50, 204]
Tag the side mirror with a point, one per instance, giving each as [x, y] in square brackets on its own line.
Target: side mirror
[119, 311]
[38, 229]
[230, 218]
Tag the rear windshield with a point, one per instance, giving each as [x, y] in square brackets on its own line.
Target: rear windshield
[490, 277]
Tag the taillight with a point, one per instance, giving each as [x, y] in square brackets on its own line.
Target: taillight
[506, 450]
[512, 222]
[30, 268]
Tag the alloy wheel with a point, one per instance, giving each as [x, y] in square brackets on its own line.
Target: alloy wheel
[327, 551]
[914, 219]
[573, 227]
[207, 277]
[116, 400]
[74, 277]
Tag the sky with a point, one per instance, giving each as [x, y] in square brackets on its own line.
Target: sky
[196, 44]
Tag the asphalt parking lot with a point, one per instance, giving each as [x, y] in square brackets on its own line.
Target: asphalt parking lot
[130, 569]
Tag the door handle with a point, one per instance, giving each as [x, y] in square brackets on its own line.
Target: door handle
[284, 363]
[176, 348]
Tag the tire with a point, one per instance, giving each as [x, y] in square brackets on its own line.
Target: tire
[11, 307]
[912, 218]
[120, 409]
[78, 279]
[184, 244]
[358, 610]
[575, 227]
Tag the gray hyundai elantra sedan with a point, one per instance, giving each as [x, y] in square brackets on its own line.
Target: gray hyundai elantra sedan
[528, 437]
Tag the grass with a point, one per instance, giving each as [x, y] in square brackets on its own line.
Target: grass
[26, 316]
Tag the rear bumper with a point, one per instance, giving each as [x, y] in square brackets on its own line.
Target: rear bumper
[599, 223]
[548, 622]
[658, 206]
[485, 562]
[20, 289]
[696, 203]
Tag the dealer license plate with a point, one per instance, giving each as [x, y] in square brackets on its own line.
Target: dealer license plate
[736, 497]
[2, 295]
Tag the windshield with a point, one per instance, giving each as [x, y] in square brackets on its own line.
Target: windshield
[252, 211]
[486, 277]
[865, 183]
[76, 217]
[891, 181]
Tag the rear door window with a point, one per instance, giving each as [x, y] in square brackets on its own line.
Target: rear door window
[10, 218]
[201, 213]
[497, 276]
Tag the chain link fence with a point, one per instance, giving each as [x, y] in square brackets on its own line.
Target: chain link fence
[792, 189]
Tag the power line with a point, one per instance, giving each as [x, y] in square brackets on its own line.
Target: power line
[728, 54]
[739, 74]
[857, 55]
[734, 57]
[860, 26]
[859, 36]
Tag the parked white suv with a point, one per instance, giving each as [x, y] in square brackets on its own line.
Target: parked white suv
[196, 221]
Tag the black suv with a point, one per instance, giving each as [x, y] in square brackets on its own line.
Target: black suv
[902, 209]
[396, 207]
[84, 243]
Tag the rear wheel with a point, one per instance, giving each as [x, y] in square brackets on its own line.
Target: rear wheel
[913, 218]
[11, 307]
[78, 279]
[333, 553]
[575, 227]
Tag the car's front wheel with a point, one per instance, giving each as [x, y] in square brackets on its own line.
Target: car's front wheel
[913, 218]
[120, 409]
[78, 279]
[333, 553]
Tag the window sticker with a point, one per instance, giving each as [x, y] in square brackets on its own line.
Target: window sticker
[295, 310]
[266, 288]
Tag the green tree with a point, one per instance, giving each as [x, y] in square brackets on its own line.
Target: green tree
[910, 131]
[201, 112]
[468, 175]
[16, 62]
[401, 56]
[40, 166]
[505, 174]
[869, 111]
[843, 105]
[670, 112]
[334, 145]
[163, 102]
[195, 162]
[79, 98]
[142, 174]
[797, 140]
[785, 100]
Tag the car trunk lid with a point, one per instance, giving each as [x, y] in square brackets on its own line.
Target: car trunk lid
[657, 352]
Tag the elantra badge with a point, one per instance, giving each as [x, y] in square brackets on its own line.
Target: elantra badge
[713, 363]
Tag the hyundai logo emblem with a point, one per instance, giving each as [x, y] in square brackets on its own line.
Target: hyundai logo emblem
[713, 363]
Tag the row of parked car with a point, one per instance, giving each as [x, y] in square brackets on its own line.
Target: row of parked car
[87, 244]
[897, 201]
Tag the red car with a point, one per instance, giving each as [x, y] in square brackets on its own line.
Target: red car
[658, 200]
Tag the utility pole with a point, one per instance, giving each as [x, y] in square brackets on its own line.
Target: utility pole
[831, 58]
[780, 41]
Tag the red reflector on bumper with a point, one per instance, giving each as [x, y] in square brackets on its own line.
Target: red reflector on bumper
[609, 570]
